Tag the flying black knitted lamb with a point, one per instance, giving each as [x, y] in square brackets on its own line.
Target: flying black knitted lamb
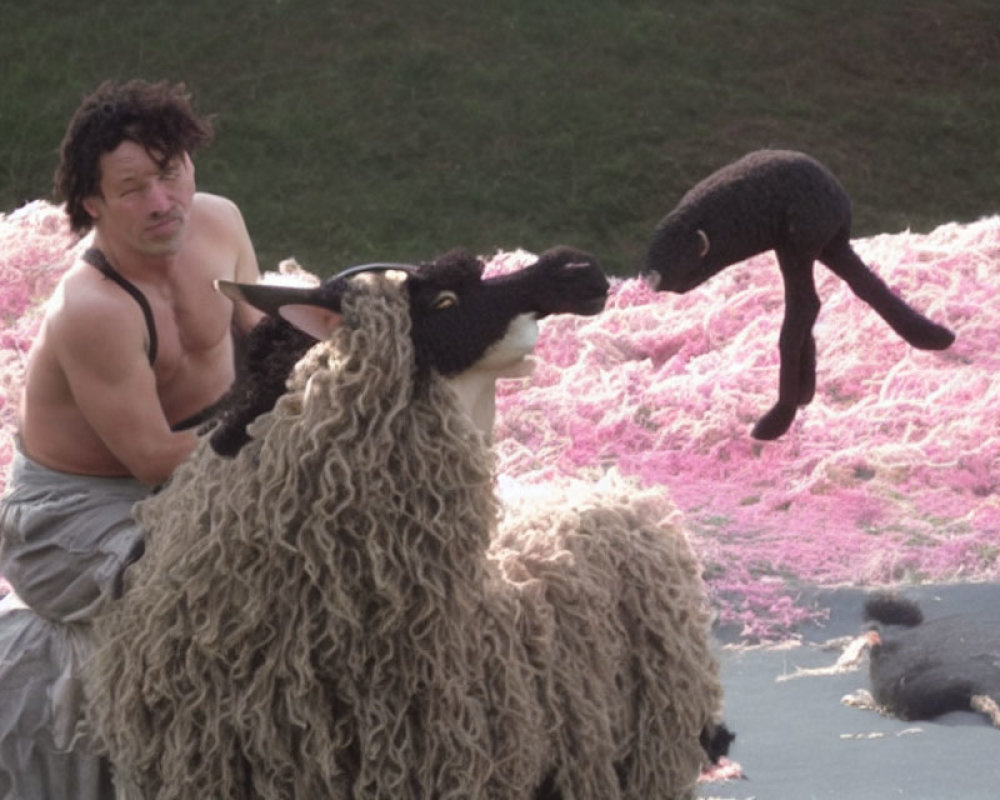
[788, 202]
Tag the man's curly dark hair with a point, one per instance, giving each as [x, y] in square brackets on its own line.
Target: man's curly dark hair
[158, 116]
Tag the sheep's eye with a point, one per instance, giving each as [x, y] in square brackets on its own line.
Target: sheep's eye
[445, 300]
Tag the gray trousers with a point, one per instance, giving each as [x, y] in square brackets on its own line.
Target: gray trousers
[65, 541]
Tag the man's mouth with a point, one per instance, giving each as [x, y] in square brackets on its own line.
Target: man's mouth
[165, 225]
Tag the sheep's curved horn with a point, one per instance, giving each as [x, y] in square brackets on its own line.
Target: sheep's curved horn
[381, 266]
[269, 298]
[705, 244]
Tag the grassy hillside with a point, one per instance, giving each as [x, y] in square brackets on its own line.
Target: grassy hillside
[354, 130]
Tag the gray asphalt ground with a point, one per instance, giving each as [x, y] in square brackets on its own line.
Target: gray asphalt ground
[797, 741]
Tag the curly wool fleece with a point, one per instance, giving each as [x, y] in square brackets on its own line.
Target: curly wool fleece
[321, 616]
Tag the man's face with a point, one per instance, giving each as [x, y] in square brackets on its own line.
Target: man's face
[140, 205]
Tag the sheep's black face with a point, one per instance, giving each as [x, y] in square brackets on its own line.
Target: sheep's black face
[458, 316]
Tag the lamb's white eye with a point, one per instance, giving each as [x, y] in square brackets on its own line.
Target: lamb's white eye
[445, 300]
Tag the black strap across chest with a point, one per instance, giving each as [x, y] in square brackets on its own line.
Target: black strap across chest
[96, 258]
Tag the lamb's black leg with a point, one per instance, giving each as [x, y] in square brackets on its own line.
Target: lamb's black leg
[909, 323]
[807, 371]
[797, 373]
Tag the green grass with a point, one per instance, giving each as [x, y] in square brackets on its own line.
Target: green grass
[356, 130]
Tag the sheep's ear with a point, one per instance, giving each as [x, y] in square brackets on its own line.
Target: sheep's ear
[302, 306]
[317, 321]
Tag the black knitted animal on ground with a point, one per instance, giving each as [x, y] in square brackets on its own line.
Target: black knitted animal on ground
[921, 669]
[788, 202]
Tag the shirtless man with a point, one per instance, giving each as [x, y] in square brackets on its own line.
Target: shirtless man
[93, 404]
[134, 343]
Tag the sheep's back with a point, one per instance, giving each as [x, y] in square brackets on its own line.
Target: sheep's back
[617, 620]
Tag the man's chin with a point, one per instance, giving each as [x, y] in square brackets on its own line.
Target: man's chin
[161, 250]
[164, 245]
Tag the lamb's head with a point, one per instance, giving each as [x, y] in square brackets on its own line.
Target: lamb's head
[680, 255]
[467, 328]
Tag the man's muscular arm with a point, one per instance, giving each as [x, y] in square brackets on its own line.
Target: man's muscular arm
[114, 387]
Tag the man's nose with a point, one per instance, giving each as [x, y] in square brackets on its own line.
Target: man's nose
[160, 199]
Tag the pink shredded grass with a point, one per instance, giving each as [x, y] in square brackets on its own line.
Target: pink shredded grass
[889, 476]
[36, 247]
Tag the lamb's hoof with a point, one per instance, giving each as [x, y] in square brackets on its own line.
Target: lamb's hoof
[774, 423]
[932, 337]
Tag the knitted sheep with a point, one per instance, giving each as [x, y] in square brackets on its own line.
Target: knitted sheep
[921, 669]
[333, 609]
[788, 202]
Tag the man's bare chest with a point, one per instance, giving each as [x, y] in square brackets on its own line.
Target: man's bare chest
[190, 324]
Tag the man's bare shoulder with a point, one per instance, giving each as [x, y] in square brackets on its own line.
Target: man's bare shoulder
[84, 292]
[89, 314]
[223, 239]
[218, 210]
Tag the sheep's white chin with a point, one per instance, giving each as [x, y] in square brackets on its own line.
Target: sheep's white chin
[518, 342]
[508, 358]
